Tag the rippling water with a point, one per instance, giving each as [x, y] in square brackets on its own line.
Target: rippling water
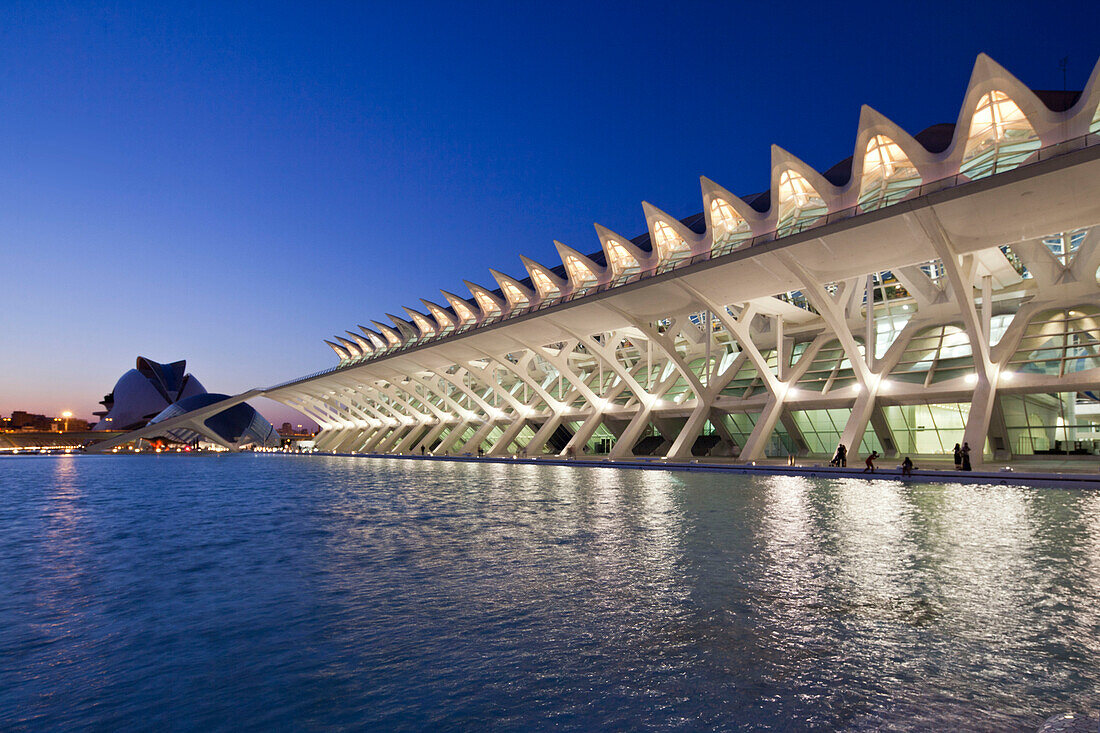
[199, 592]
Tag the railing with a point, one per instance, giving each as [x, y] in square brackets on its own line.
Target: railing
[942, 184]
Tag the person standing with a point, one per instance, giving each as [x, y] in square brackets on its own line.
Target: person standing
[840, 458]
[871, 462]
[958, 457]
[907, 467]
[966, 456]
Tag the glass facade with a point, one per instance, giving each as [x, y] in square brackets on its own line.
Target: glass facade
[730, 228]
[1064, 244]
[822, 430]
[741, 424]
[543, 284]
[931, 429]
[830, 369]
[1000, 138]
[799, 203]
[670, 245]
[1060, 342]
[623, 264]
[888, 174]
[581, 274]
[1061, 423]
[935, 354]
[747, 382]
[516, 297]
[488, 306]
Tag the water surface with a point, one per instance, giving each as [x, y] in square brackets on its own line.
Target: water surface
[230, 592]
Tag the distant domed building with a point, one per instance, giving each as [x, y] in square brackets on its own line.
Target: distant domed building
[152, 392]
[143, 392]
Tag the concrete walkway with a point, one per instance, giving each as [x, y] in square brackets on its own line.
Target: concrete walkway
[1017, 476]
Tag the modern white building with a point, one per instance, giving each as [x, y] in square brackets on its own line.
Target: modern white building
[930, 290]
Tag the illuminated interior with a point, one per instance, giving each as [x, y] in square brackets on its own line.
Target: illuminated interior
[516, 297]
[799, 203]
[390, 335]
[1000, 137]
[670, 245]
[425, 326]
[1060, 342]
[622, 262]
[488, 305]
[465, 315]
[888, 174]
[581, 275]
[543, 284]
[730, 228]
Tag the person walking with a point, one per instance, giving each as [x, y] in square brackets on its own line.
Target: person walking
[871, 462]
[958, 457]
[966, 456]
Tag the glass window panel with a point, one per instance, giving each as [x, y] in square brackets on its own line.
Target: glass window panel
[1065, 244]
[423, 324]
[1066, 423]
[622, 262]
[670, 245]
[928, 429]
[515, 296]
[582, 276]
[543, 283]
[465, 315]
[730, 228]
[888, 174]
[1060, 341]
[488, 306]
[1000, 137]
[799, 204]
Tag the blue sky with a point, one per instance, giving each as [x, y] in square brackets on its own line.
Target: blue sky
[231, 183]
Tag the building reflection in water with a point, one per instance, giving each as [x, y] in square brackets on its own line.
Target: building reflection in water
[871, 527]
[855, 603]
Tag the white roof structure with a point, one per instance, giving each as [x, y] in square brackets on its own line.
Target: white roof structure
[962, 226]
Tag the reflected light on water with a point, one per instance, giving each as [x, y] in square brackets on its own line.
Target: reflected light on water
[873, 530]
[332, 592]
[789, 537]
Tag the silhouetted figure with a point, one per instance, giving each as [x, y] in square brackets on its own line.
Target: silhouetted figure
[907, 467]
[871, 462]
[958, 457]
[423, 450]
[840, 458]
[966, 457]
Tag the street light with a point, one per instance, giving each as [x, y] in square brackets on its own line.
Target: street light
[66, 415]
